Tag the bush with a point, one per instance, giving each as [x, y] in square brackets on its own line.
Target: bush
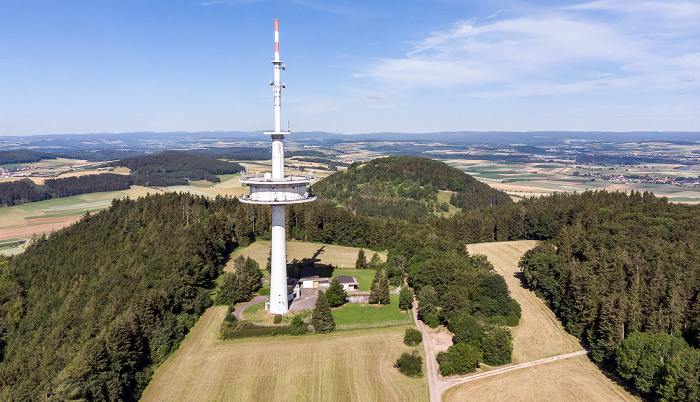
[412, 337]
[431, 320]
[410, 364]
[264, 291]
[277, 319]
[405, 298]
[298, 326]
[497, 345]
[461, 358]
[242, 329]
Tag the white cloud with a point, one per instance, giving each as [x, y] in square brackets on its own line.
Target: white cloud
[557, 49]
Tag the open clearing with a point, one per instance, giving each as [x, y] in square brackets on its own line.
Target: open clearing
[539, 335]
[341, 366]
[339, 256]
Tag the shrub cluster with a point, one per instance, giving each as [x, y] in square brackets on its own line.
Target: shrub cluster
[412, 337]
[410, 364]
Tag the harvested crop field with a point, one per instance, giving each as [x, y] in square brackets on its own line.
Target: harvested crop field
[538, 335]
[341, 366]
[573, 379]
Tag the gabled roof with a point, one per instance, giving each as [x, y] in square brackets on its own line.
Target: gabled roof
[346, 279]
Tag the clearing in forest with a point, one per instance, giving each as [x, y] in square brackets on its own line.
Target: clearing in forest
[339, 256]
[538, 335]
[341, 366]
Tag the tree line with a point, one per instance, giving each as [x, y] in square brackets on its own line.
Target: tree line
[25, 190]
[23, 156]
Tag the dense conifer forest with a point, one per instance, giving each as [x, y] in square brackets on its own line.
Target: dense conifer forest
[626, 281]
[175, 166]
[23, 156]
[89, 310]
[25, 190]
[405, 186]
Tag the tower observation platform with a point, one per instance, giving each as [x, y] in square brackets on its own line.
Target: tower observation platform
[277, 190]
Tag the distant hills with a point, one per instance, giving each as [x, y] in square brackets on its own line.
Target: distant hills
[405, 186]
[103, 146]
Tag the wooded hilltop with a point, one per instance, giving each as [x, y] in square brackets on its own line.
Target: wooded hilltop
[89, 311]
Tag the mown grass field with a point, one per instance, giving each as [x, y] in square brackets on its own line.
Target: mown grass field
[338, 256]
[538, 335]
[341, 366]
[573, 379]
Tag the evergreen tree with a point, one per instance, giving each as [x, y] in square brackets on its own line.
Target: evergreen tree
[375, 289]
[405, 298]
[361, 262]
[321, 318]
[375, 262]
[335, 294]
[384, 297]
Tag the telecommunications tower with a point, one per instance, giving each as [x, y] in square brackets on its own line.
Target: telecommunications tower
[278, 190]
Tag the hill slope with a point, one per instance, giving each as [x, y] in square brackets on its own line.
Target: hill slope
[405, 186]
[86, 312]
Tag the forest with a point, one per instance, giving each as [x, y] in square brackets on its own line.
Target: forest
[24, 190]
[626, 281]
[405, 186]
[88, 311]
[23, 156]
[177, 166]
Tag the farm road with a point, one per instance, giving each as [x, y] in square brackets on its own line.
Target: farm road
[538, 339]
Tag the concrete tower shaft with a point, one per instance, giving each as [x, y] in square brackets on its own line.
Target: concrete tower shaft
[278, 190]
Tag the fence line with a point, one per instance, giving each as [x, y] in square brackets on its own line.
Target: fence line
[373, 324]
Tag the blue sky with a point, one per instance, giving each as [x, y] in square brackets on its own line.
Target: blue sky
[94, 66]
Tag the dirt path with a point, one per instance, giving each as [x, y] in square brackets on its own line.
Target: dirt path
[539, 338]
[435, 384]
[539, 334]
[239, 310]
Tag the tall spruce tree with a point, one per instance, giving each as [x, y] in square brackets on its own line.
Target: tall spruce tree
[361, 262]
[384, 297]
[375, 289]
[321, 318]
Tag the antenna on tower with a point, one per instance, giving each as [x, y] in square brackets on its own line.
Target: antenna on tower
[289, 128]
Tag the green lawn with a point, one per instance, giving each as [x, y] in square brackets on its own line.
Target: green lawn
[363, 313]
[363, 276]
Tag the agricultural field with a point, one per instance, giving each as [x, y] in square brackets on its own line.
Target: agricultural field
[538, 335]
[572, 379]
[36, 218]
[60, 167]
[522, 180]
[341, 366]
